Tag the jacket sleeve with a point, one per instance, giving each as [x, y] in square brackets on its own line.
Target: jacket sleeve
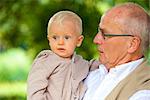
[94, 64]
[37, 82]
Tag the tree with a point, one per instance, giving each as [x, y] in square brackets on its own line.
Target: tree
[23, 23]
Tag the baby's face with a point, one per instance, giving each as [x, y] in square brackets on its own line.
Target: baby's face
[64, 38]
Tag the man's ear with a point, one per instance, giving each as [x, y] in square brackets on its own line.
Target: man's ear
[79, 41]
[134, 44]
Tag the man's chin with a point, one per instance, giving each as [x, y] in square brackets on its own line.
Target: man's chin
[105, 63]
[102, 61]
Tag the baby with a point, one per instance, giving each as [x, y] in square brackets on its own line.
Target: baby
[58, 74]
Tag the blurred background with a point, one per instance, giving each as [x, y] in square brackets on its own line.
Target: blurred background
[23, 34]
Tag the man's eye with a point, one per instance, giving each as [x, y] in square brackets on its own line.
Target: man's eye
[107, 37]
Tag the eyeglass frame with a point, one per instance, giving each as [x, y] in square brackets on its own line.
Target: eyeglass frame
[113, 35]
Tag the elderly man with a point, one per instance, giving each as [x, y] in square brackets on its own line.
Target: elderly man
[122, 41]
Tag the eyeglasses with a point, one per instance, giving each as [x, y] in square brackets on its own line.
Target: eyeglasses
[106, 35]
[113, 35]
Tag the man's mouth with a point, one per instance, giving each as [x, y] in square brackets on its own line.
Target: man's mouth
[100, 51]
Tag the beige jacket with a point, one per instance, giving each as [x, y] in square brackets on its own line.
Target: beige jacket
[54, 78]
[139, 79]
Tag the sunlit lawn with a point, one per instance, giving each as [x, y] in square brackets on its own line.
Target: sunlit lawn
[13, 91]
[14, 66]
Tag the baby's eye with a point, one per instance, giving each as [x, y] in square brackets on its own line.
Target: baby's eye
[54, 37]
[67, 37]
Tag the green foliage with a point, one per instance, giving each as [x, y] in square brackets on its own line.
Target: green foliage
[25, 21]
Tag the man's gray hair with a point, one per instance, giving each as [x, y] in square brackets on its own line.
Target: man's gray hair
[136, 22]
[61, 16]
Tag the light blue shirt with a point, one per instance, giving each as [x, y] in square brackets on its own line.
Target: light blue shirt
[100, 82]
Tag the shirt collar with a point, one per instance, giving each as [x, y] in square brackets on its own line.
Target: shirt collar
[127, 67]
[103, 69]
[73, 57]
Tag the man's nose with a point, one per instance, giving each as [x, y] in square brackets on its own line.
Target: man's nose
[98, 39]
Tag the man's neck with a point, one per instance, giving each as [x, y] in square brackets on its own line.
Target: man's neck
[125, 60]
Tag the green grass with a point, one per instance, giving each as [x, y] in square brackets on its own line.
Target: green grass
[13, 91]
[14, 65]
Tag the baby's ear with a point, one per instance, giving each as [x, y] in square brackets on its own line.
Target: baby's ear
[47, 37]
[79, 41]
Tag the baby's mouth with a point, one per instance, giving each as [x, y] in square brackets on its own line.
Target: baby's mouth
[61, 49]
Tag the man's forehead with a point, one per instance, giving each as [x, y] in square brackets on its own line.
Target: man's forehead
[117, 17]
[123, 11]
